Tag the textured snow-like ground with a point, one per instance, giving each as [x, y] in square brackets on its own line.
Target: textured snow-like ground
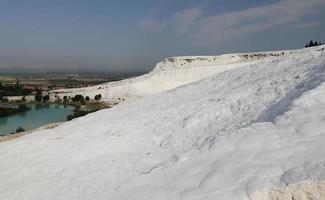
[255, 161]
[235, 135]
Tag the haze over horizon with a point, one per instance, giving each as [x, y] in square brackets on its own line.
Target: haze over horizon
[130, 36]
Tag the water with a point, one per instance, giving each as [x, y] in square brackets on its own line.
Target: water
[38, 115]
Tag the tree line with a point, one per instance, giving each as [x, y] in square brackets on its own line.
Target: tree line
[313, 44]
[13, 90]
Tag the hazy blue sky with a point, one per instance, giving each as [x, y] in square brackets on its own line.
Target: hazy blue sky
[132, 35]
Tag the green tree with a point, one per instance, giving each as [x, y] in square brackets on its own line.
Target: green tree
[17, 88]
[38, 95]
[46, 98]
[20, 129]
[78, 98]
[98, 97]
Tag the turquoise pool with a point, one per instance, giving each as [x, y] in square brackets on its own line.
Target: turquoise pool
[38, 115]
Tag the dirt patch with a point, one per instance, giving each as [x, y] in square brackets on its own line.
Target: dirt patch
[305, 190]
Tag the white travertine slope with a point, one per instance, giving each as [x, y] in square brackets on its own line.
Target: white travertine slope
[252, 132]
[168, 74]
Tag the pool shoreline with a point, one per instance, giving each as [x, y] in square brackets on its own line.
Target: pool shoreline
[5, 138]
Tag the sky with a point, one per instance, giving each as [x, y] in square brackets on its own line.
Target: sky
[133, 35]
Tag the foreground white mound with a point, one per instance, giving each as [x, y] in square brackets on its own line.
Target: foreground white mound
[264, 161]
[253, 132]
[168, 74]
